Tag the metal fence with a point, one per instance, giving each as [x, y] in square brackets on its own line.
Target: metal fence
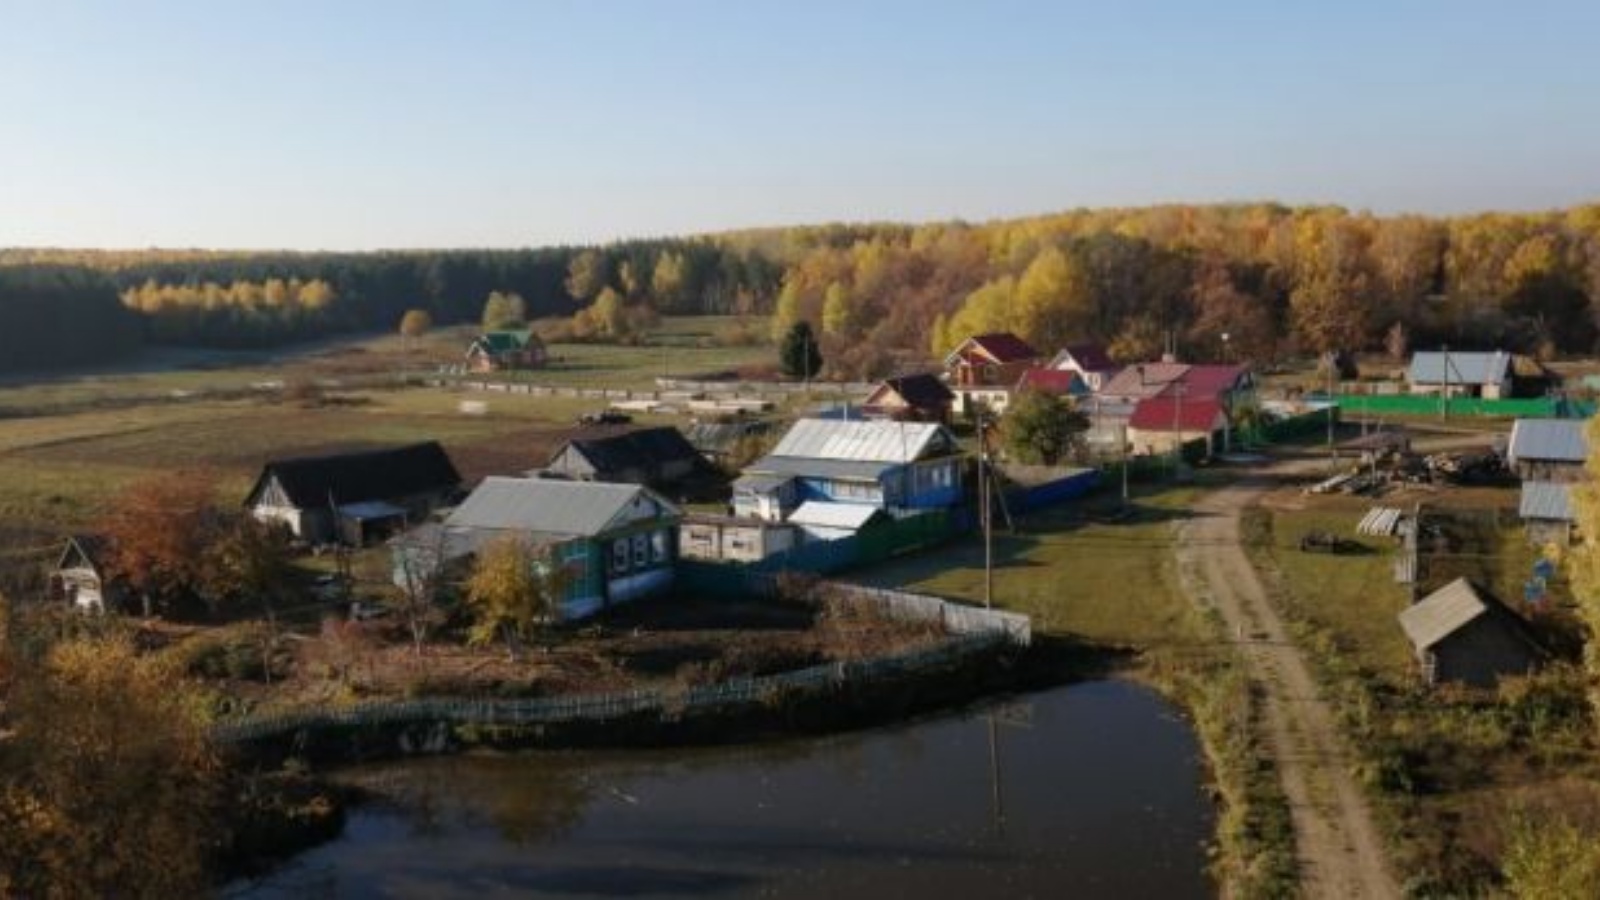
[665, 705]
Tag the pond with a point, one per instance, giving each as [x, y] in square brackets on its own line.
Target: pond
[1090, 790]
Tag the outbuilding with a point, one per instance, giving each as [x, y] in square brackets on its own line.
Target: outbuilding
[1464, 635]
[354, 497]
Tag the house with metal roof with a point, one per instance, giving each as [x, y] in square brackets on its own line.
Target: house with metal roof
[1454, 373]
[1547, 512]
[615, 542]
[1462, 634]
[1159, 424]
[1056, 382]
[1090, 361]
[1549, 449]
[653, 456]
[353, 497]
[983, 369]
[894, 466]
[495, 351]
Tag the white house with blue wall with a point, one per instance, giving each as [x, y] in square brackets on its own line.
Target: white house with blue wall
[897, 467]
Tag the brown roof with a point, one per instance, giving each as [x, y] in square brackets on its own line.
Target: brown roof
[922, 391]
[1003, 347]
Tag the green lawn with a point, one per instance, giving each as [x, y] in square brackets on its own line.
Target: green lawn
[1108, 583]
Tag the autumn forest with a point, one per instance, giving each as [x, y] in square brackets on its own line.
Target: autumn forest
[1278, 281]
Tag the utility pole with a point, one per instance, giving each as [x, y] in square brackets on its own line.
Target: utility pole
[1178, 391]
[1444, 405]
[1333, 363]
[983, 514]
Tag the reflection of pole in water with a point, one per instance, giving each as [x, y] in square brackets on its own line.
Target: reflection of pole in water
[997, 799]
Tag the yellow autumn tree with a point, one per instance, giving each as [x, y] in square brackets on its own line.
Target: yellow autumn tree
[111, 785]
[513, 589]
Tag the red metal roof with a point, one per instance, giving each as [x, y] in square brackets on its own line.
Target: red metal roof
[1191, 414]
[1052, 381]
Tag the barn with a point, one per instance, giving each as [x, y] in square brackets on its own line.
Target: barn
[1463, 635]
[354, 498]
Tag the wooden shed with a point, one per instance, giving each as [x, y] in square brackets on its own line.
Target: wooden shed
[1464, 635]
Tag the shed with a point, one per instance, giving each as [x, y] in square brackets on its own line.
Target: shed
[1547, 512]
[1549, 449]
[730, 539]
[820, 521]
[718, 441]
[1462, 634]
[353, 496]
[80, 577]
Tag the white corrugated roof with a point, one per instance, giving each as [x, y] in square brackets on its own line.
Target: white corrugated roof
[1442, 613]
[1556, 440]
[832, 515]
[1546, 500]
[548, 506]
[862, 441]
[1465, 367]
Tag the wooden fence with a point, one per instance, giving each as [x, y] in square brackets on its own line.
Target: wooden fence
[665, 705]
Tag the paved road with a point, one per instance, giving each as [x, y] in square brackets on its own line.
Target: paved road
[1338, 848]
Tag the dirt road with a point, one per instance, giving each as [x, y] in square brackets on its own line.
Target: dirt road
[1337, 846]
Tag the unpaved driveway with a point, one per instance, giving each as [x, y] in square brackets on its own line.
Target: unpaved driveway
[1337, 846]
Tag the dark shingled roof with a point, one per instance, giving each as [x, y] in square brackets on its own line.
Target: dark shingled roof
[1005, 347]
[360, 477]
[645, 449]
[923, 391]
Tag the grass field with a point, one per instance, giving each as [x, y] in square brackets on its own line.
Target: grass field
[1108, 583]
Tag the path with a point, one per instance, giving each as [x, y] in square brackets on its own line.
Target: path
[1337, 846]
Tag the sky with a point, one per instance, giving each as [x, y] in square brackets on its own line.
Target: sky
[351, 125]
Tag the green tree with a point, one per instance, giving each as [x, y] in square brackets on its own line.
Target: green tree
[799, 356]
[511, 591]
[1040, 428]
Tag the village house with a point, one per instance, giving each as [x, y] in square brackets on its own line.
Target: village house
[915, 398]
[1549, 449]
[1463, 635]
[982, 370]
[354, 497]
[1453, 373]
[616, 541]
[495, 351]
[732, 539]
[79, 578]
[1091, 362]
[894, 466]
[1179, 402]
[1056, 382]
[719, 442]
[658, 457]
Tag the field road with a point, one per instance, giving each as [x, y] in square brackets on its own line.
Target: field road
[1337, 845]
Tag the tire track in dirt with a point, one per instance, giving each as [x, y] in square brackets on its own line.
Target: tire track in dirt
[1337, 846]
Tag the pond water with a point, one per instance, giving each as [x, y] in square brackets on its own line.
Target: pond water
[1085, 791]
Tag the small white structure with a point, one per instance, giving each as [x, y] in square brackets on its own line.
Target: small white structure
[820, 521]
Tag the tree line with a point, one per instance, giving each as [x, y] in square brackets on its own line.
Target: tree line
[1276, 280]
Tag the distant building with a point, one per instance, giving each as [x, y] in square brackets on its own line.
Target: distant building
[354, 497]
[1461, 374]
[1159, 424]
[495, 351]
[718, 441]
[654, 456]
[1090, 361]
[915, 398]
[895, 466]
[1549, 449]
[1179, 398]
[80, 579]
[983, 370]
[617, 541]
[1462, 634]
[1056, 382]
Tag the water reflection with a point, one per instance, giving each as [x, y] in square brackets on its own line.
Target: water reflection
[1096, 787]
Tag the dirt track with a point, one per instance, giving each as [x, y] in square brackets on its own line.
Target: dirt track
[1337, 846]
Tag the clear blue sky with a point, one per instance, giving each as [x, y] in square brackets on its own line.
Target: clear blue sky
[350, 125]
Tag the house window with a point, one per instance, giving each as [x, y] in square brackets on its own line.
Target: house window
[641, 551]
[658, 547]
[619, 556]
